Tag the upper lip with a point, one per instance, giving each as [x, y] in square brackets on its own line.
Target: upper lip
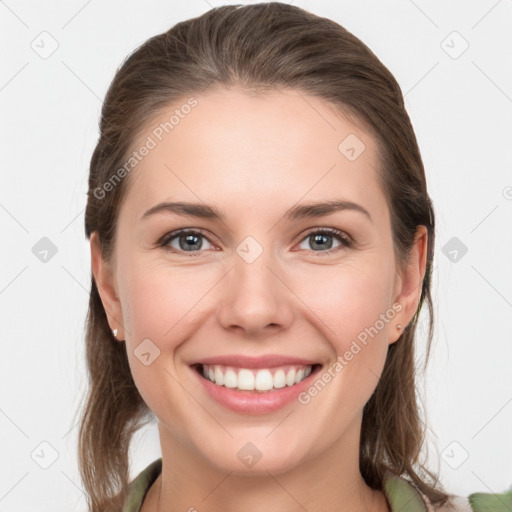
[266, 361]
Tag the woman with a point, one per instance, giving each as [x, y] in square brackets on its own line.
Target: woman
[261, 245]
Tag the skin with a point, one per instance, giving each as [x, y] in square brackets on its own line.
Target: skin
[253, 157]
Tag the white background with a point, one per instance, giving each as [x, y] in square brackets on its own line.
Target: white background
[461, 109]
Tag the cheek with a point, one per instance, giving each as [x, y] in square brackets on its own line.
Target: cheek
[350, 301]
[160, 305]
[164, 305]
[354, 317]
[353, 312]
[157, 300]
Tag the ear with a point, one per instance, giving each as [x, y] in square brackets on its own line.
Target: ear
[105, 282]
[408, 283]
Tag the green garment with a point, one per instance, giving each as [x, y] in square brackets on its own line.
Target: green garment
[400, 493]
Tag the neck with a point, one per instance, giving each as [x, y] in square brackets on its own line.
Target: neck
[330, 481]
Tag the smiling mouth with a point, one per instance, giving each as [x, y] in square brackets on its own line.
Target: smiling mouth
[252, 380]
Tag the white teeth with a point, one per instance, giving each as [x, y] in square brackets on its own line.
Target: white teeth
[245, 380]
[264, 380]
[230, 379]
[290, 377]
[252, 379]
[219, 377]
[279, 379]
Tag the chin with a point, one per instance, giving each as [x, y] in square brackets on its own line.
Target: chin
[246, 458]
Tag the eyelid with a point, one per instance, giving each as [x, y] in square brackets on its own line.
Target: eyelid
[344, 238]
[164, 240]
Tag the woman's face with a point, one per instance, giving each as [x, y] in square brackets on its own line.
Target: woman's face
[256, 296]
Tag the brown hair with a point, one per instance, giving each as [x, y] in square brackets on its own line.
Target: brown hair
[261, 47]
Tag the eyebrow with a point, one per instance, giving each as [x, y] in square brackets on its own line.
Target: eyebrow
[302, 211]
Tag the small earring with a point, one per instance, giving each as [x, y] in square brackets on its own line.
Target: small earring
[114, 332]
[399, 327]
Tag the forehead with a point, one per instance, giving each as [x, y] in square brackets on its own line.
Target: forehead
[254, 151]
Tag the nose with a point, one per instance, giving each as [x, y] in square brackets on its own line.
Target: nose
[255, 298]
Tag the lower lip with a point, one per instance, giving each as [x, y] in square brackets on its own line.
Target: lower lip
[254, 402]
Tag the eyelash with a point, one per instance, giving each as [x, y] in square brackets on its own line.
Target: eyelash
[343, 238]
